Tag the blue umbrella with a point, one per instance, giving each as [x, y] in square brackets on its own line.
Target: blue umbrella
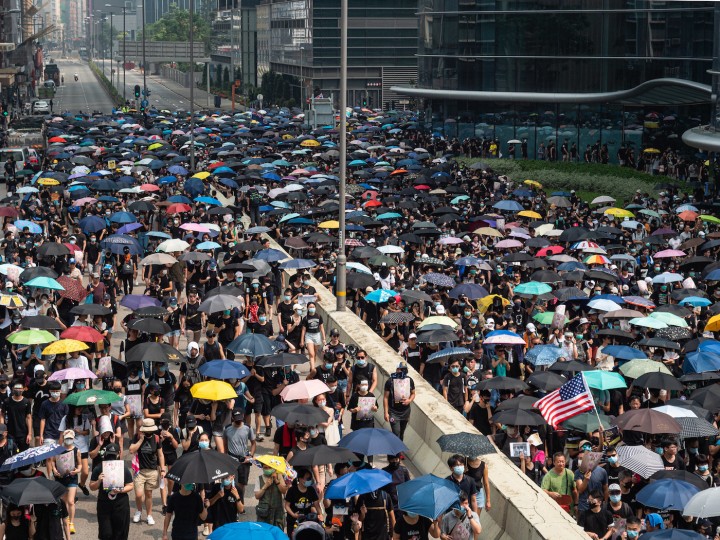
[714, 275]
[508, 206]
[136, 301]
[208, 200]
[179, 199]
[252, 345]
[673, 534]
[31, 455]
[467, 261]
[428, 495]
[158, 234]
[372, 442]
[666, 494]
[270, 255]
[92, 224]
[116, 242]
[194, 187]
[129, 227]
[123, 217]
[472, 290]
[709, 345]
[298, 264]
[207, 245]
[229, 183]
[544, 355]
[43, 282]
[357, 483]
[178, 169]
[248, 530]
[696, 301]
[167, 180]
[701, 361]
[624, 352]
[380, 295]
[34, 228]
[224, 369]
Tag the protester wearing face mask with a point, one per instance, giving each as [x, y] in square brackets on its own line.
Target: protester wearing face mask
[462, 516]
[454, 388]
[240, 442]
[65, 469]
[597, 521]
[113, 504]
[398, 394]
[269, 492]
[52, 411]
[703, 469]
[615, 505]
[151, 461]
[188, 508]
[362, 404]
[18, 525]
[361, 370]
[224, 504]
[313, 333]
[301, 499]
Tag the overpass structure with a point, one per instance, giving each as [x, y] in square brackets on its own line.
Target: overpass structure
[161, 51]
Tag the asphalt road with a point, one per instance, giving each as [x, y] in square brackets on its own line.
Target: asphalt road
[163, 94]
[85, 95]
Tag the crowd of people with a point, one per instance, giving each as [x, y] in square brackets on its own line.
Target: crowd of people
[490, 290]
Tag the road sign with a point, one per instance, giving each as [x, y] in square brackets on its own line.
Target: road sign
[260, 97]
[155, 51]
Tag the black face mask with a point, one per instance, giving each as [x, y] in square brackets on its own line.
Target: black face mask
[394, 465]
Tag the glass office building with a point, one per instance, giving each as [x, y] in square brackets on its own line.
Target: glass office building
[492, 67]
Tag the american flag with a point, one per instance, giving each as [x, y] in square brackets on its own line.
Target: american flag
[571, 399]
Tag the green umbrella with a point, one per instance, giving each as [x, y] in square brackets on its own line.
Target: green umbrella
[92, 397]
[546, 317]
[587, 422]
[533, 287]
[31, 337]
[24, 172]
[604, 380]
[379, 260]
[669, 318]
[651, 213]
[640, 366]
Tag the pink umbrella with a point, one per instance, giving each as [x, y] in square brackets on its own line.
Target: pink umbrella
[448, 240]
[72, 373]
[195, 227]
[510, 243]
[85, 200]
[504, 339]
[669, 253]
[304, 390]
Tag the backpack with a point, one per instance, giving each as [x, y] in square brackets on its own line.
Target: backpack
[127, 268]
[255, 197]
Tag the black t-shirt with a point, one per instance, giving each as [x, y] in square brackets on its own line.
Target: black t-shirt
[49, 525]
[186, 510]
[193, 317]
[312, 324]
[596, 522]
[38, 394]
[102, 493]
[225, 509]
[301, 503]
[478, 417]
[15, 413]
[415, 531]
[147, 454]
[286, 312]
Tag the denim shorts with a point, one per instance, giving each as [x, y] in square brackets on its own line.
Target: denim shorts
[173, 333]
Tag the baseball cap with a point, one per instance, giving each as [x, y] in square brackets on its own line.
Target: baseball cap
[402, 365]
[112, 450]
[71, 261]
[173, 301]
[530, 327]
[239, 275]
[440, 310]
[95, 274]
[584, 442]
[412, 336]
[210, 333]
[583, 320]
[334, 332]
[614, 487]
[237, 413]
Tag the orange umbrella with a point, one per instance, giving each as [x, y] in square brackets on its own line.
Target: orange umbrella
[372, 203]
[398, 171]
[688, 215]
[150, 187]
[178, 208]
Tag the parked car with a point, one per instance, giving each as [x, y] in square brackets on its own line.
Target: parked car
[41, 107]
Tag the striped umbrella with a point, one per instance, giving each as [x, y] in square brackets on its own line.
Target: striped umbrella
[640, 460]
[696, 427]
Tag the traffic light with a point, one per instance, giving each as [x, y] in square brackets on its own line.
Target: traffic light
[6, 112]
[137, 90]
[142, 108]
[147, 92]
[364, 102]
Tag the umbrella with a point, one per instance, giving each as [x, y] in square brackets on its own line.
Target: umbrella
[248, 530]
[65, 346]
[658, 380]
[82, 333]
[666, 494]
[153, 352]
[685, 476]
[441, 280]
[73, 289]
[92, 397]
[573, 366]
[623, 352]
[587, 422]
[277, 463]
[502, 383]
[397, 317]
[703, 504]
[673, 534]
[213, 391]
[36, 490]
[282, 359]
[640, 460]
[32, 455]
[635, 368]
[372, 442]
[427, 495]
[546, 380]
[42, 282]
[224, 369]
[544, 355]
[72, 373]
[357, 483]
[202, 467]
[251, 345]
[472, 290]
[696, 428]
[31, 337]
[306, 389]
[533, 288]
[604, 380]
[90, 309]
[322, 455]
[466, 444]
[448, 354]
[520, 402]
[648, 421]
[701, 361]
[39, 322]
[150, 326]
[299, 413]
[436, 336]
[221, 302]
[136, 301]
[518, 417]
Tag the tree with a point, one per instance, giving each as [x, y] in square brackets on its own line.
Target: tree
[105, 35]
[226, 77]
[175, 26]
[218, 75]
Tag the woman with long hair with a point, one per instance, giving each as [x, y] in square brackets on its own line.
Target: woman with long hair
[17, 525]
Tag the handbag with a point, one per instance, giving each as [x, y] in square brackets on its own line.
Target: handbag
[566, 501]
[262, 509]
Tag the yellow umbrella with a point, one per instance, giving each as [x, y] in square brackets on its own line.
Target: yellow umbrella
[651, 150]
[488, 231]
[155, 146]
[529, 214]
[484, 303]
[202, 175]
[12, 300]
[48, 182]
[65, 346]
[331, 224]
[713, 325]
[533, 183]
[439, 319]
[213, 391]
[310, 143]
[274, 462]
[287, 137]
[619, 212]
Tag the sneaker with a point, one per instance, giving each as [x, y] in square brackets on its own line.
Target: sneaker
[137, 516]
[260, 438]
[268, 431]
[72, 528]
[150, 520]
[85, 490]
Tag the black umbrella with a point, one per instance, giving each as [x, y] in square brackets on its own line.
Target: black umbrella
[360, 280]
[546, 276]
[238, 267]
[659, 343]
[566, 293]
[501, 383]
[466, 444]
[322, 455]
[141, 206]
[520, 402]
[90, 309]
[518, 417]
[615, 333]
[706, 376]
[40, 322]
[546, 380]
[150, 326]
[231, 290]
[281, 359]
[410, 295]
[658, 380]
[38, 271]
[572, 366]
[36, 490]
[397, 317]
[151, 311]
[437, 336]
[52, 249]
[675, 309]
[299, 413]
[161, 353]
[574, 234]
[202, 467]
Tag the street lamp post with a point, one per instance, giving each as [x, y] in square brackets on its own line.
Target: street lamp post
[192, 85]
[103, 19]
[143, 49]
[341, 271]
[111, 44]
[302, 78]
[124, 9]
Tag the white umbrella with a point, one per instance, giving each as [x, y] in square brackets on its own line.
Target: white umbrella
[603, 199]
[158, 258]
[704, 504]
[359, 267]
[604, 305]
[390, 249]
[173, 245]
[676, 412]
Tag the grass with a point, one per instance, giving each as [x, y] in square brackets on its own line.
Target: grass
[588, 179]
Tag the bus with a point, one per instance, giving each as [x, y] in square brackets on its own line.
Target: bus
[83, 53]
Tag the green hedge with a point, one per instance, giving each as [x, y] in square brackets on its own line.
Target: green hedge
[588, 179]
[115, 96]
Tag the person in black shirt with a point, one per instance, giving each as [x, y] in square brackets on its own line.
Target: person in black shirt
[479, 411]
[189, 510]
[17, 413]
[113, 505]
[409, 526]
[224, 503]
[398, 394]
[596, 521]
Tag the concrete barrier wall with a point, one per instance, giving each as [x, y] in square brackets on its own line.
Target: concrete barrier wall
[520, 509]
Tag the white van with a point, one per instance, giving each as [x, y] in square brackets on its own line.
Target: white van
[25, 158]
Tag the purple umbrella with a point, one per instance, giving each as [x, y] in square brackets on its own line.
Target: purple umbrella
[128, 228]
[136, 301]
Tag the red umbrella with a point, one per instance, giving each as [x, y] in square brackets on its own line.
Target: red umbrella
[178, 208]
[7, 211]
[688, 215]
[371, 203]
[216, 165]
[82, 333]
[56, 139]
[550, 250]
[73, 289]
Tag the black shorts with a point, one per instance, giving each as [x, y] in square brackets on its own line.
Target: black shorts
[267, 403]
[254, 407]
[243, 474]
